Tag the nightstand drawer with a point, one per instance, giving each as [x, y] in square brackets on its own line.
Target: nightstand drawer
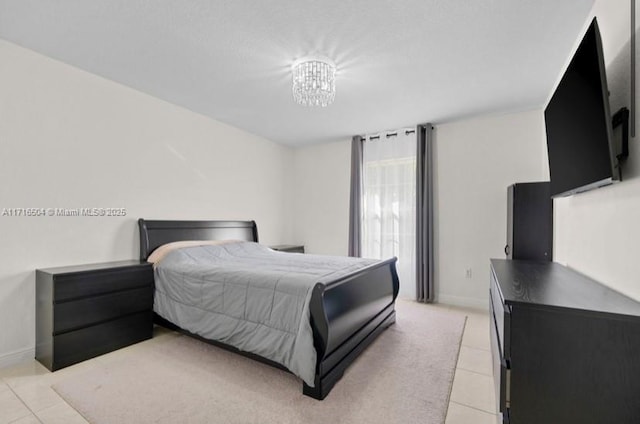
[92, 310]
[79, 345]
[82, 284]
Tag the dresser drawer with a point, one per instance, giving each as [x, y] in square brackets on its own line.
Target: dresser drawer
[83, 284]
[501, 316]
[79, 345]
[92, 310]
[500, 368]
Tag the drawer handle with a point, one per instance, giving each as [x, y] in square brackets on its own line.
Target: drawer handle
[506, 250]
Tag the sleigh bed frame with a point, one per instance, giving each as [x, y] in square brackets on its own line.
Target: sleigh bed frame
[346, 315]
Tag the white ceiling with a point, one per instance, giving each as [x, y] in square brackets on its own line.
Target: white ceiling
[399, 62]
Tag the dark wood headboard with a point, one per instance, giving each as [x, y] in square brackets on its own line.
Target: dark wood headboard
[156, 233]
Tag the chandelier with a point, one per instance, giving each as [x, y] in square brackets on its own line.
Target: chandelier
[314, 81]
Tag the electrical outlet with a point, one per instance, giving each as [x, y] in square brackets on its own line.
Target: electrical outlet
[468, 273]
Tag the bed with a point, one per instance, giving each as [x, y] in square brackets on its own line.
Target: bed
[345, 314]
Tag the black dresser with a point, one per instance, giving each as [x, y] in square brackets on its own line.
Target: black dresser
[87, 310]
[566, 349]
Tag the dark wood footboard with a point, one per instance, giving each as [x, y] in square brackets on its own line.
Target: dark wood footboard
[346, 316]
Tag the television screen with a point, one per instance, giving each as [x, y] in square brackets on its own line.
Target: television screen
[578, 123]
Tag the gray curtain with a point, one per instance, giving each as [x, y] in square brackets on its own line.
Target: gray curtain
[355, 200]
[424, 215]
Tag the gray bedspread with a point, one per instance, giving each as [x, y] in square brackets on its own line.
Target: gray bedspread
[248, 296]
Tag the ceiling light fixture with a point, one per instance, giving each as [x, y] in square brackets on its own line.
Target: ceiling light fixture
[314, 81]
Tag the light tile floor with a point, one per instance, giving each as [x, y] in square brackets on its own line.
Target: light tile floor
[26, 396]
[473, 395]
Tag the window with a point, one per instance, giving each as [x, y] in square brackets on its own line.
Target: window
[389, 204]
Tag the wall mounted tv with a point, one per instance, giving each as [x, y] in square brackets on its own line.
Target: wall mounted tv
[578, 123]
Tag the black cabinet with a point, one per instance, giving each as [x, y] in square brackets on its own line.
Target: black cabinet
[87, 310]
[565, 348]
[291, 248]
[529, 221]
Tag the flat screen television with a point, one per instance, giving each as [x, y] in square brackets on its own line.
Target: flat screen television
[578, 123]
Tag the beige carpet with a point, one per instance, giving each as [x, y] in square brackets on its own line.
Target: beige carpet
[405, 376]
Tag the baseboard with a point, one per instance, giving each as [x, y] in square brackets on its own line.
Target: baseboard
[17, 357]
[467, 302]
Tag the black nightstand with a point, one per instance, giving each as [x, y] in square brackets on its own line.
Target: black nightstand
[291, 248]
[88, 310]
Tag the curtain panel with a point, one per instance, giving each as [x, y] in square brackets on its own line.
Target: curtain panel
[355, 199]
[424, 216]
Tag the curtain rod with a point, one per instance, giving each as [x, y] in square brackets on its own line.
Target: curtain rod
[388, 135]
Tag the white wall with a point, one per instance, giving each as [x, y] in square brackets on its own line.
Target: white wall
[71, 139]
[321, 205]
[598, 232]
[475, 159]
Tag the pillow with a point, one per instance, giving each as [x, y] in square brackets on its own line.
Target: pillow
[162, 251]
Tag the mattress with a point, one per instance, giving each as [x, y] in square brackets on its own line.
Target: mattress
[248, 296]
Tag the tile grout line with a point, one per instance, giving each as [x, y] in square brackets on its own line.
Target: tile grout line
[71, 406]
[489, 374]
[473, 407]
[35, 414]
[456, 367]
[24, 403]
[463, 344]
[475, 372]
[475, 347]
[469, 406]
